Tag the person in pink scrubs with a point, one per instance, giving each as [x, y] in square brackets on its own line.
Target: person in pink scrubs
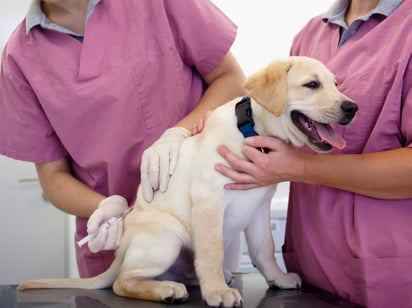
[350, 212]
[87, 85]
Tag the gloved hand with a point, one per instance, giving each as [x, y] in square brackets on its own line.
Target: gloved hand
[159, 161]
[107, 238]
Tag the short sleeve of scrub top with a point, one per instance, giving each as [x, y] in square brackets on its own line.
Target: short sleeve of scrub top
[30, 129]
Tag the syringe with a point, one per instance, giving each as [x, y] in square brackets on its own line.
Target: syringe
[111, 221]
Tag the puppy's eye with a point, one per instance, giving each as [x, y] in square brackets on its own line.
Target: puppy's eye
[312, 85]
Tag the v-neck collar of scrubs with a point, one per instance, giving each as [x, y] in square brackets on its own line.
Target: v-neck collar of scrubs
[90, 62]
[336, 15]
[35, 17]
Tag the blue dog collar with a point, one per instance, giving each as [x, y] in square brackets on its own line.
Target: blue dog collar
[244, 117]
[245, 123]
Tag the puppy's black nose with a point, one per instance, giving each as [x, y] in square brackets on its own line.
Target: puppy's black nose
[349, 110]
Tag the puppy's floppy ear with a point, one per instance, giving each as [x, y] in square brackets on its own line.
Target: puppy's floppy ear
[269, 86]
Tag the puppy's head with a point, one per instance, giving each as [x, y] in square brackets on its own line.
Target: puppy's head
[303, 92]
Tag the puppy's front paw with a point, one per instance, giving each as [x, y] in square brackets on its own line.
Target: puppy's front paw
[226, 297]
[286, 281]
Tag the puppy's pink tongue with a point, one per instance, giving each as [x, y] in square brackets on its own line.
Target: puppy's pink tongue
[328, 134]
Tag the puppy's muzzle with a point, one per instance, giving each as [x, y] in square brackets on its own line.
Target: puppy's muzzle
[349, 110]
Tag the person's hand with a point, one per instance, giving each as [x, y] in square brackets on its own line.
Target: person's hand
[159, 161]
[260, 169]
[198, 127]
[107, 238]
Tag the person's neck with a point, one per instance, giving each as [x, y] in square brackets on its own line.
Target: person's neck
[359, 8]
[70, 14]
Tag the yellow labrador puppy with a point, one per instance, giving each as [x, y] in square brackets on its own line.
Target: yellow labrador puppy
[190, 230]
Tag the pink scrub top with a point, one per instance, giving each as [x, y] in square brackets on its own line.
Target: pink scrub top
[102, 102]
[355, 246]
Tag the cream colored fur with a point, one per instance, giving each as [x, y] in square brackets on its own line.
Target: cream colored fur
[196, 218]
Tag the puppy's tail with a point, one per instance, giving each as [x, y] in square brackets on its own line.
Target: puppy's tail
[104, 280]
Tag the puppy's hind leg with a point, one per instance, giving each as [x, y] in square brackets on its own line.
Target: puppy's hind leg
[232, 255]
[262, 252]
[153, 248]
[151, 290]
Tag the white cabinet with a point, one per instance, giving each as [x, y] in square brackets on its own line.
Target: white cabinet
[33, 241]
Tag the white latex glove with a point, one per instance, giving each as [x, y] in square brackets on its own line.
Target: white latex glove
[159, 161]
[107, 238]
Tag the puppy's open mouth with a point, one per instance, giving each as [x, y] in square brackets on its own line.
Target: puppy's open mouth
[320, 135]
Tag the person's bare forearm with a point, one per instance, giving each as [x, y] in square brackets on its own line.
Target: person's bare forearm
[66, 192]
[384, 175]
[225, 82]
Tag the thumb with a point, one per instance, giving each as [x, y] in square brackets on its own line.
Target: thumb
[94, 221]
[271, 143]
[97, 243]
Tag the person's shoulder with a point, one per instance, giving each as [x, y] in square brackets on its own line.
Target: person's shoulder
[18, 38]
[18, 51]
[316, 21]
[313, 24]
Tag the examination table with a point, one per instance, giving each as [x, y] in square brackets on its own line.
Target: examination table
[252, 287]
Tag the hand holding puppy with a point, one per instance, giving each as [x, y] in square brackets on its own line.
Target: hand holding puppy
[159, 161]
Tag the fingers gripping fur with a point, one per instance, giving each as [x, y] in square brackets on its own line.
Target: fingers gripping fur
[269, 86]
